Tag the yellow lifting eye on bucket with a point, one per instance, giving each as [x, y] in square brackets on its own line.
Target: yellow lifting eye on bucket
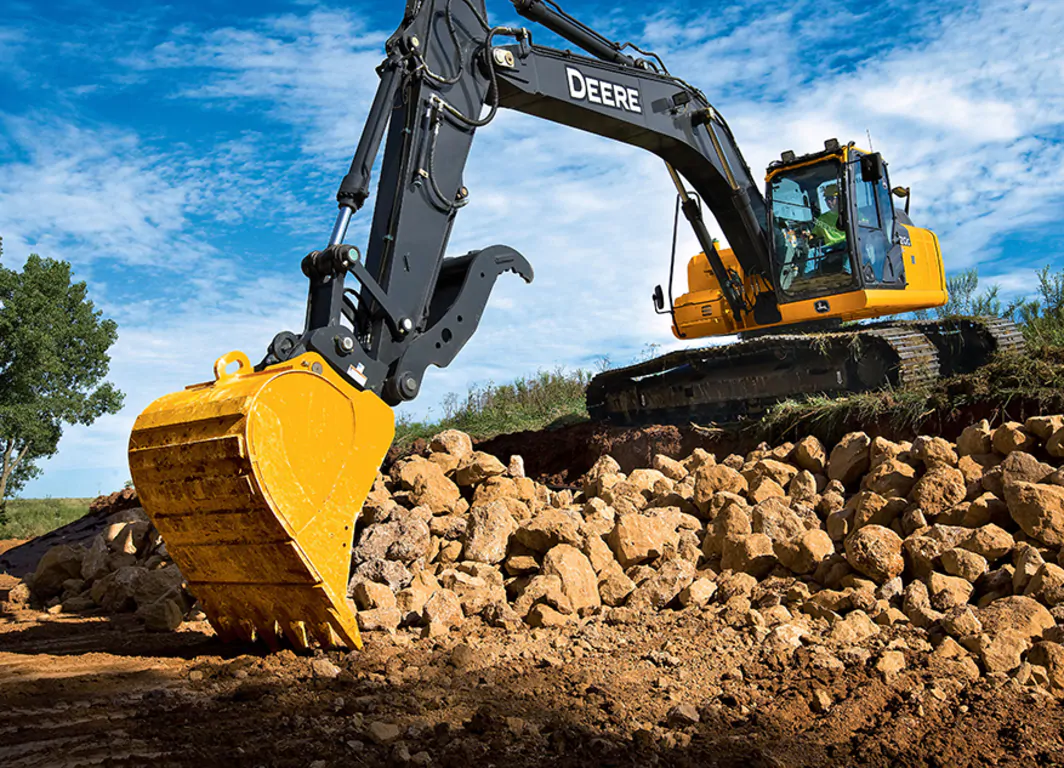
[254, 481]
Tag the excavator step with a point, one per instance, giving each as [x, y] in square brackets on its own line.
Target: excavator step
[254, 481]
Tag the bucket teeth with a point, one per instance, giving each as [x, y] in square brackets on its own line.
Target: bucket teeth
[254, 482]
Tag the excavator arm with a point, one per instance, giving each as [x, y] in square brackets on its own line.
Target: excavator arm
[253, 479]
[445, 76]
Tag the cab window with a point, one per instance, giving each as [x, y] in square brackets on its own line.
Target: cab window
[809, 233]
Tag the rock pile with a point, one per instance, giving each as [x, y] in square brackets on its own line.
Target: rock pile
[125, 567]
[959, 544]
[959, 541]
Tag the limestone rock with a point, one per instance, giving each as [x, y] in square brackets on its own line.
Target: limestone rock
[94, 561]
[1047, 585]
[1012, 436]
[477, 467]
[809, 454]
[548, 529]
[1050, 656]
[948, 591]
[614, 585]
[369, 595]
[803, 553]
[964, 563]
[1001, 652]
[1022, 614]
[637, 538]
[751, 554]
[543, 589]
[698, 593]
[1038, 509]
[116, 591]
[933, 450]
[442, 611]
[453, 442]
[489, 529]
[56, 566]
[875, 551]
[663, 587]
[379, 619]
[775, 518]
[712, 479]
[939, 489]
[961, 621]
[890, 477]
[578, 578]
[163, 615]
[669, 467]
[542, 615]
[989, 541]
[428, 485]
[855, 628]
[733, 520]
[975, 439]
[850, 458]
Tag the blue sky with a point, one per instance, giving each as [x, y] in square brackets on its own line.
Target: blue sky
[184, 159]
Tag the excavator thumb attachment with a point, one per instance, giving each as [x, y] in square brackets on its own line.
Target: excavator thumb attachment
[254, 481]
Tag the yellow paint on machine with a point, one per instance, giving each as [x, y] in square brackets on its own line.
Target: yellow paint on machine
[254, 481]
[704, 312]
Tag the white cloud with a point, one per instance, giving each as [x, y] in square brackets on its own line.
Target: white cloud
[969, 113]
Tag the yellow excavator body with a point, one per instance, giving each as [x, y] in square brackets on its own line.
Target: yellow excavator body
[702, 311]
[254, 481]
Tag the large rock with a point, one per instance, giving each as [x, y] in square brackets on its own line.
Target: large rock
[56, 566]
[809, 454]
[637, 538]
[752, 554]
[932, 451]
[1049, 656]
[890, 477]
[549, 528]
[1047, 585]
[453, 442]
[1012, 436]
[975, 439]
[614, 585]
[849, 459]
[1038, 509]
[964, 563]
[578, 578]
[803, 553]
[428, 486]
[948, 591]
[404, 538]
[774, 518]
[117, 591]
[477, 467]
[664, 586]
[442, 611]
[939, 489]
[733, 520]
[489, 529]
[159, 584]
[875, 551]
[94, 563]
[1021, 614]
[710, 480]
[543, 589]
[990, 541]
[163, 615]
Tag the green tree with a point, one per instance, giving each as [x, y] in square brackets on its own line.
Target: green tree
[964, 298]
[53, 359]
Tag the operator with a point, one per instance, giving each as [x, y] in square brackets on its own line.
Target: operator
[826, 227]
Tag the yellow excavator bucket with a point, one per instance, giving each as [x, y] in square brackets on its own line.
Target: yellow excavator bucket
[254, 481]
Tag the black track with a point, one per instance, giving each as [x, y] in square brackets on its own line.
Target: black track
[731, 382]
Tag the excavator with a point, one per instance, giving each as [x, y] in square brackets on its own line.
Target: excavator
[255, 479]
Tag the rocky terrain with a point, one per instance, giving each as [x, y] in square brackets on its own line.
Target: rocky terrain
[870, 602]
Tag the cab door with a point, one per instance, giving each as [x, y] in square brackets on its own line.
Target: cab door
[878, 256]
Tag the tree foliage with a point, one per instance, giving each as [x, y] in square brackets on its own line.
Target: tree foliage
[53, 360]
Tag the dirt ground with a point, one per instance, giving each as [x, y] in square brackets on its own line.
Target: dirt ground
[102, 691]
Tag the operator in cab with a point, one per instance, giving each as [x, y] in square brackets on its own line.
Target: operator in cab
[826, 228]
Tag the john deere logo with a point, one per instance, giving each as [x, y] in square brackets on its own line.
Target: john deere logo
[822, 306]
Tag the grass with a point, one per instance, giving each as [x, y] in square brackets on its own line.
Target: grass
[1019, 383]
[28, 518]
[550, 398]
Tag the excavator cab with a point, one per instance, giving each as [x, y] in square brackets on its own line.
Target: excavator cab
[839, 251]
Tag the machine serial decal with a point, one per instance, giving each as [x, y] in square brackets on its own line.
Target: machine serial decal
[585, 88]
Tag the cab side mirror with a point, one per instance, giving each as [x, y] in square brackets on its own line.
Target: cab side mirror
[905, 192]
[872, 167]
[659, 299]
